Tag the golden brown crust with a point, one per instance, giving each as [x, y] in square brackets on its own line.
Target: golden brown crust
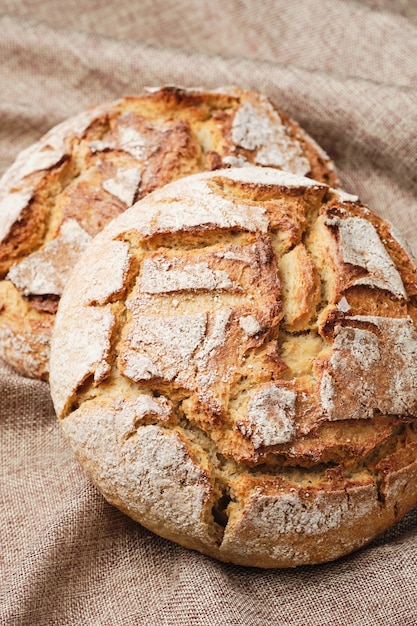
[92, 167]
[224, 379]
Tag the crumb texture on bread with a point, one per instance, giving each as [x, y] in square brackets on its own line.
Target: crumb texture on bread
[87, 170]
[238, 370]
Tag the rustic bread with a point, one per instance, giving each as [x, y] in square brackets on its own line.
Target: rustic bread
[237, 369]
[64, 189]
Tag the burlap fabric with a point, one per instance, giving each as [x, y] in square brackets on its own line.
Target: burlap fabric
[347, 71]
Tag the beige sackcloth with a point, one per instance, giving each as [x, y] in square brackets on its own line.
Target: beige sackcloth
[347, 71]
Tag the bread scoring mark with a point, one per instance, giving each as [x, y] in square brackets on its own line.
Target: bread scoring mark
[124, 185]
[370, 369]
[45, 272]
[361, 246]
[300, 288]
[270, 416]
[259, 127]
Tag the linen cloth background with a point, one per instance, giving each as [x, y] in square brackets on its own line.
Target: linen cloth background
[347, 71]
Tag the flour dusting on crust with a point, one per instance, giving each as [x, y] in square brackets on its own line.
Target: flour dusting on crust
[270, 416]
[390, 359]
[259, 127]
[160, 275]
[124, 185]
[46, 271]
[12, 206]
[360, 245]
[89, 334]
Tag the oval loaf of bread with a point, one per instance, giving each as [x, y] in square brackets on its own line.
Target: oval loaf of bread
[234, 362]
[64, 189]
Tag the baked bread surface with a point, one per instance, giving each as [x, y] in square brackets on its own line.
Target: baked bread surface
[237, 368]
[64, 189]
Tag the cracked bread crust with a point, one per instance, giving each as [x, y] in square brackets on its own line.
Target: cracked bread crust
[64, 189]
[238, 370]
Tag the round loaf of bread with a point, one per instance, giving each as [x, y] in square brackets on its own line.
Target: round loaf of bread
[234, 362]
[84, 172]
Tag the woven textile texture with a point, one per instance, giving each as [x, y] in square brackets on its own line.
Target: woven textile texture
[346, 71]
